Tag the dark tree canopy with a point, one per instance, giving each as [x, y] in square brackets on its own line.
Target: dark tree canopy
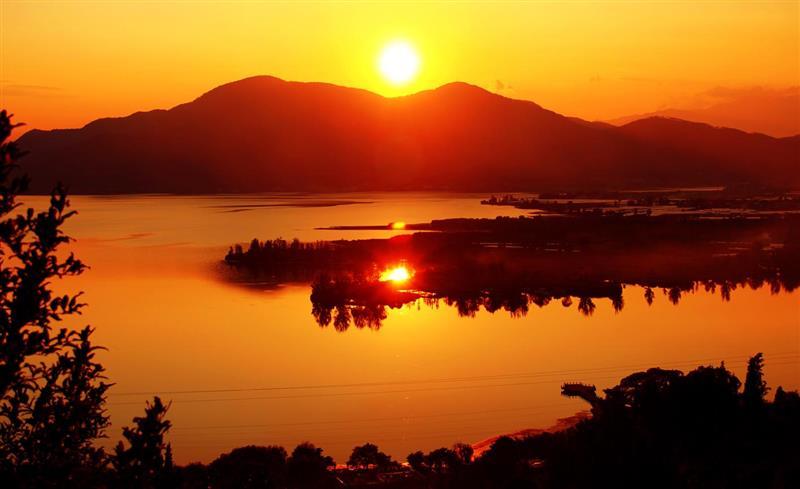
[755, 387]
[250, 467]
[308, 467]
[52, 389]
[369, 456]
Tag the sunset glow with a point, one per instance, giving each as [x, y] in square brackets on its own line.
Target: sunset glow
[398, 62]
[579, 58]
[396, 274]
[382, 244]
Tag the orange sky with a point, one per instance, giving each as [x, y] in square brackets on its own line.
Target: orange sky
[66, 63]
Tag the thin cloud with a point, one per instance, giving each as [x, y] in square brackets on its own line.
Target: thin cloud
[26, 90]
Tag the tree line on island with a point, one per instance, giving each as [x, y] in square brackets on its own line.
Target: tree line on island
[731, 200]
[658, 428]
[512, 264]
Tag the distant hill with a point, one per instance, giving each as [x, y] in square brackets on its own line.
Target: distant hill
[768, 111]
[266, 134]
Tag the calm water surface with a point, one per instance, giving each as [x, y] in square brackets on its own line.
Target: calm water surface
[250, 366]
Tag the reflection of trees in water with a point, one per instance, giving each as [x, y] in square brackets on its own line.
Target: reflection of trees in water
[331, 303]
[343, 315]
[354, 299]
[674, 294]
[649, 295]
[586, 306]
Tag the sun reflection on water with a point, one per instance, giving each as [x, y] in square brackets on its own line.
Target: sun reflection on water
[397, 274]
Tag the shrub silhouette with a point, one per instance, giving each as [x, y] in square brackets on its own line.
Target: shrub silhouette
[308, 467]
[755, 388]
[52, 389]
[147, 461]
[250, 467]
[661, 428]
[368, 456]
[416, 460]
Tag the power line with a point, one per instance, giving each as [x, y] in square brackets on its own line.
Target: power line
[337, 431]
[435, 380]
[347, 394]
[391, 391]
[372, 420]
[320, 443]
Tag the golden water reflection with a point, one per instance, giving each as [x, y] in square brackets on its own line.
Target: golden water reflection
[248, 366]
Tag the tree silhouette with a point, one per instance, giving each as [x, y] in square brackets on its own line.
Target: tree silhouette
[417, 461]
[661, 428]
[308, 467]
[192, 476]
[147, 461]
[755, 388]
[505, 465]
[52, 389]
[442, 460]
[586, 392]
[444, 463]
[464, 452]
[368, 456]
[250, 467]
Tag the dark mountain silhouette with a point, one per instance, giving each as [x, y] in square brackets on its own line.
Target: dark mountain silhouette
[722, 151]
[775, 112]
[266, 134]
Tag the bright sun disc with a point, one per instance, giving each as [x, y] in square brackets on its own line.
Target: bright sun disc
[396, 274]
[398, 62]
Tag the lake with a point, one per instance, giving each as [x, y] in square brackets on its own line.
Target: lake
[250, 365]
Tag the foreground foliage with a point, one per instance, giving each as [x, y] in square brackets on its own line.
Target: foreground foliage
[656, 429]
[52, 389]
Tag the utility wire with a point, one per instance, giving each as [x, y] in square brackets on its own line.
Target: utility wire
[410, 417]
[389, 391]
[439, 380]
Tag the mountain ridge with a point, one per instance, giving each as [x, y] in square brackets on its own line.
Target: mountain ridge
[771, 111]
[266, 134]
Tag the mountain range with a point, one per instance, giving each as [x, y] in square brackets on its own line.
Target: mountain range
[266, 134]
[771, 111]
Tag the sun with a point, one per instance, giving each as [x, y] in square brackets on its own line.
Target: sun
[398, 62]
